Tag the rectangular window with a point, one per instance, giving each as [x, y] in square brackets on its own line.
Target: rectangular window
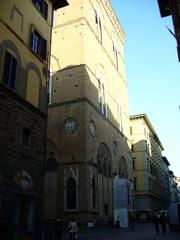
[9, 71]
[105, 209]
[96, 18]
[132, 147]
[26, 138]
[42, 7]
[38, 44]
[135, 184]
[131, 130]
[133, 162]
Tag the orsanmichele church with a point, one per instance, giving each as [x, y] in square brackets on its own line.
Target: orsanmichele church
[88, 122]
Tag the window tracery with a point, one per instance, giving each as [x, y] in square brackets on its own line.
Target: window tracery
[123, 169]
[104, 160]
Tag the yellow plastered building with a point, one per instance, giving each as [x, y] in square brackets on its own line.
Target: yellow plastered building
[25, 39]
[149, 166]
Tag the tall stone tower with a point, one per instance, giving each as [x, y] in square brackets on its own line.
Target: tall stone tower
[88, 123]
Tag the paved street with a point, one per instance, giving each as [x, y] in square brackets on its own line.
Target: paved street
[142, 231]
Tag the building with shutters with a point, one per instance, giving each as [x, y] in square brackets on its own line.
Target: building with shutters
[150, 168]
[24, 61]
[88, 122]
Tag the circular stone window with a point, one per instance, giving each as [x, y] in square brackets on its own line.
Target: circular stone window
[92, 128]
[70, 126]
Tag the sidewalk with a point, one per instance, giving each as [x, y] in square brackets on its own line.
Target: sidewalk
[142, 231]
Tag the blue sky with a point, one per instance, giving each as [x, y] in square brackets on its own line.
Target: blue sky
[152, 71]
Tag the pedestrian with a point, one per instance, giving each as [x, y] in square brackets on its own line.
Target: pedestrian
[155, 220]
[131, 220]
[73, 229]
[49, 233]
[118, 222]
[163, 222]
[58, 229]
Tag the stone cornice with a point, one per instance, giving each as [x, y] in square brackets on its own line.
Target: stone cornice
[114, 19]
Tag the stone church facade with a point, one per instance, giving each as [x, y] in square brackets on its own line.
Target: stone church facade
[88, 123]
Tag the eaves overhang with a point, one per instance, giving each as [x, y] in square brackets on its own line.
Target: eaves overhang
[146, 119]
[59, 4]
[166, 161]
[164, 8]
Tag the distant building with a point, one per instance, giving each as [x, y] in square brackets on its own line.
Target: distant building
[88, 122]
[178, 187]
[172, 7]
[148, 165]
[173, 187]
[24, 60]
[167, 181]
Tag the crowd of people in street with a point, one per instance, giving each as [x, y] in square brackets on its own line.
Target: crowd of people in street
[160, 221]
[56, 231]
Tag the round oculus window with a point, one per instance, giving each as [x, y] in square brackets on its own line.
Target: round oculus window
[92, 128]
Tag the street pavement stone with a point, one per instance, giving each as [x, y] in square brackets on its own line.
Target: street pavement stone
[142, 231]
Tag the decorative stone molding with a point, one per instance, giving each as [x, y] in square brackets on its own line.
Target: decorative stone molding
[92, 173]
[114, 20]
[71, 172]
[15, 11]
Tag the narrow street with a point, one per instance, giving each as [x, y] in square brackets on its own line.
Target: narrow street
[142, 231]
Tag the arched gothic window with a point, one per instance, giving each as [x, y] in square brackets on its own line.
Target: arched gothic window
[109, 170]
[104, 160]
[102, 89]
[71, 202]
[99, 167]
[104, 168]
[123, 169]
[102, 100]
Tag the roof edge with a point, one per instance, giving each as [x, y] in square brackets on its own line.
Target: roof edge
[143, 115]
[59, 3]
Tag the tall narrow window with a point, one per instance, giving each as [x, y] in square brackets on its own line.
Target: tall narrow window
[42, 7]
[133, 163]
[71, 194]
[131, 130]
[109, 170]
[99, 167]
[119, 116]
[93, 192]
[116, 54]
[99, 26]
[105, 209]
[38, 44]
[100, 30]
[132, 147]
[9, 71]
[102, 102]
[26, 138]
[104, 169]
[135, 183]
